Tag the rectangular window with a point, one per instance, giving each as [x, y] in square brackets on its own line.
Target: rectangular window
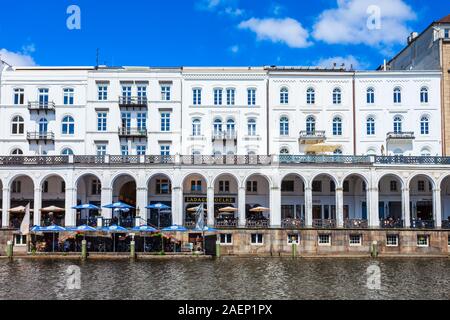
[346, 186]
[124, 150]
[423, 241]
[141, 150]
[142, 121]
[317, 186]
[287, 186]
[164, 150]
[196, 186]
[421, 185]
[101, 150]
[126, 120]
[393, 186]
[126, 94]
[19, 97]
[96, 187]
[252, 186]
[226, 238]
[231, 97]
[16, 186]
[68, 96]
[447, 33]
[197, 97]
[218, 97]
[355, 240]
[392, 240]
[102, 92]
[293, 239]
[102, 118]
[165, 122]
[165, 93]
[163, 186]
[20, 240]
[224, 186]
[257, 239]
[43, 97]
[324, 240]
[251, 97]
[142, 94]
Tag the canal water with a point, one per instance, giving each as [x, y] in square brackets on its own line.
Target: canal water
[227, 278]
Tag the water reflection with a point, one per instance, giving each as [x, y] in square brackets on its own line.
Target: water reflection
[227, 278]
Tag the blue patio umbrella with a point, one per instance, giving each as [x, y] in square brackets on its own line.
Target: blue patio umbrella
[145, 229]
[159, 207]
[51, 229]
[175, 228]
[118, 205]
[87, 206]
[114, 229]
[83, 228]
[206, 229]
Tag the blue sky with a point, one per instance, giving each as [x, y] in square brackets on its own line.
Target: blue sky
[212, 32]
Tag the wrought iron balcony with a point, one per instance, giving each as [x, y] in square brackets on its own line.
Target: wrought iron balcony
[291, 223]
[224, 135]
[311, 137]
[133, 132]
[133, 102]
[422, 224]
[41, 106]
[324, 223]
[356, 224]
[226, 223]
[258, 224]
[392, 224]
[41, 137]
[226, 160]
[400, 136]
[318, 159]
[446, 224]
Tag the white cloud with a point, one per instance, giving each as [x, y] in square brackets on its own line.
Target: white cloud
[348, 23]
[17, 58]
[346, 62]
[234, 49]
[288, 31]
[228, 7]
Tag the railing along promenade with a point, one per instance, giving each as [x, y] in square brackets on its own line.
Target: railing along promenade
[198, 160]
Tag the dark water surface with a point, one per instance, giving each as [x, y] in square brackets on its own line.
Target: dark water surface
[228, 278]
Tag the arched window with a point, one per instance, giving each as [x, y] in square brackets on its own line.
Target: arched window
[251, 125]
[425, 152]
[68, 126]
[17, 125]
[371, 152]
[43, 125]
[284, 126]
[217, 126]
[337, 152]
[398, 124]
[424, 125]
[284, 96]
[424, 95]
[370, 96]
[397, 95]
[231, 126]
[337, 126]
[370, 126]
[337, 96]
[310, 96]
[67, 152]
[196, 128]
[310, 125]
[17, 152]
[284, 151]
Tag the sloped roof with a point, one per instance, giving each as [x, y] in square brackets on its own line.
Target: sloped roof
[445, 19]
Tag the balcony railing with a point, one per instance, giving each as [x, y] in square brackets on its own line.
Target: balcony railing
[133, 132]
[133, 102]
[226, 160]
[400, 136]
[356, 224]
[411, 160]
[324, 223]
[90, 160]
[190, 224]
[124, 159]
[26, 160]
[312, 136]
[422, 224]
[41, 106]
[257, 224]
[226, 223]
[126, 223]
[392, 224]
[160, 160]
[41, 136]
[446, 224]
[291, 223]
[224, 135]
[314, 159]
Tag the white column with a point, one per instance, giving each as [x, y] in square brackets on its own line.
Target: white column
[373, 209]
[308, 207]
[5, 207]
[275, 207]
[71, 201]
[106, 198]
[241, 206]
[406, 208]
[210, 206]
[141, 203]
[437, 207]
[37, 207]
[177, 206]
[340, 207]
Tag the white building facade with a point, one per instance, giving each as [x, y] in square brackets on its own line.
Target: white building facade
[314, 148]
